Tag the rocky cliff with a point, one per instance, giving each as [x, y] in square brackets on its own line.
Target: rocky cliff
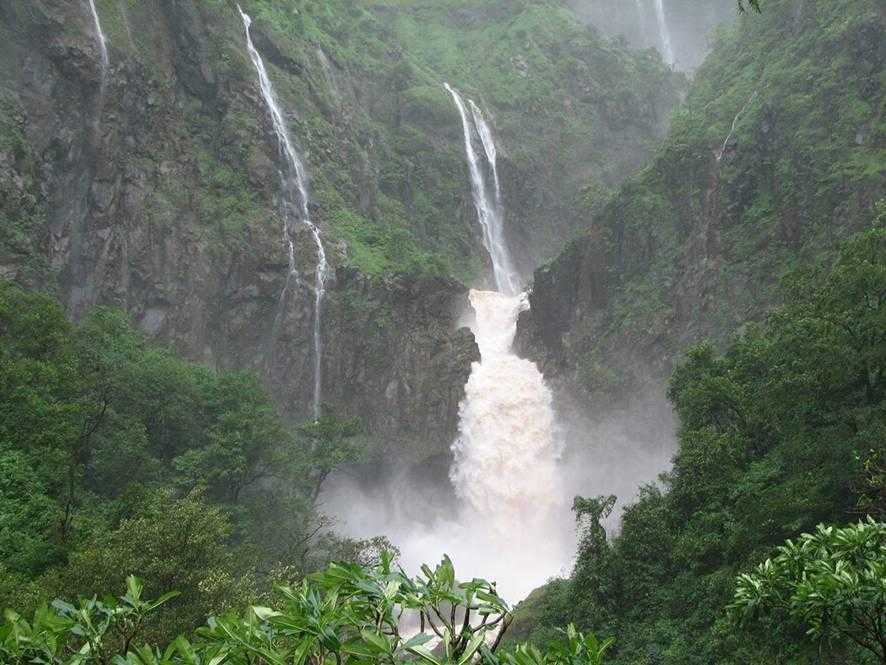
[152, 184]
[776, 154]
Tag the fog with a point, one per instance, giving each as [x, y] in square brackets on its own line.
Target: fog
[519, 545]
[688, 24]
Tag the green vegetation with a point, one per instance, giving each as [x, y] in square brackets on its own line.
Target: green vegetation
[383, 140]
[118, 458]
[123, 466]
[345, 614]
[695, 245]
[782, 431]
[832, 582]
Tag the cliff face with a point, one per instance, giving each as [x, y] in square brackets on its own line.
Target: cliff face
[776, 154]
[153, 187]
[153, 184]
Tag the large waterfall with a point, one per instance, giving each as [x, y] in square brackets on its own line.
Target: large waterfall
[511, 522]
[505, 467]
[295, 209]
[664, 32]
[489, 209]
[101, 38]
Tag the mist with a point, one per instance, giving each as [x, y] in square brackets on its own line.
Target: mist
[519, 534]
[684, 32]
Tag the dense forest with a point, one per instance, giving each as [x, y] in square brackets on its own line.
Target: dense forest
[329, 330]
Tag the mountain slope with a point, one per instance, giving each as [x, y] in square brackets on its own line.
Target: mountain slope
[776, 154]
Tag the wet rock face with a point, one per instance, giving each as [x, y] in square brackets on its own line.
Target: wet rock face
[396, 357]
[155, 189]
[153, 185]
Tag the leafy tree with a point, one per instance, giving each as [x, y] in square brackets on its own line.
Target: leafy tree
[170, 543]
[28, 516]
[577, 649]
[111, 448]
[91, 631]
[332, 442]
[832, 582]
[780, 431]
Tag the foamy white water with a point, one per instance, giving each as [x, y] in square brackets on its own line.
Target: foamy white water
[506, 455]
[295, 207]
[664, 32]
[512, 522]
[506, 459]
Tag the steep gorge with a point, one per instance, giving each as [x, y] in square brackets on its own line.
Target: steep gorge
[350, 202]
[149, 182]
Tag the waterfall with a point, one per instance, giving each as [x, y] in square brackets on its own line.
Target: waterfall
[511, 522]
[734, 125]
[505, 470]
[295, 208]
[489, 148]
[489, 212]
[101, 38]
[667, 49]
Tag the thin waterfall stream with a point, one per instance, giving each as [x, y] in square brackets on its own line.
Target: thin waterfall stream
[295, 210]
[664, 32]
[101, 38]
[489, 212]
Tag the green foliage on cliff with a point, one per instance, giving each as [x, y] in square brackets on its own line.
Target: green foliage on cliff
[776, 155]
[382, 139]
[117, 457]
[774, 437]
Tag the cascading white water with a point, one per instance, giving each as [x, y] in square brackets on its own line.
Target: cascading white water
[295, 208]
[512, 523]
[506, 466]
[489, 212]
[664, 32]
[101, 38]
[491, 156]
[506, 456]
